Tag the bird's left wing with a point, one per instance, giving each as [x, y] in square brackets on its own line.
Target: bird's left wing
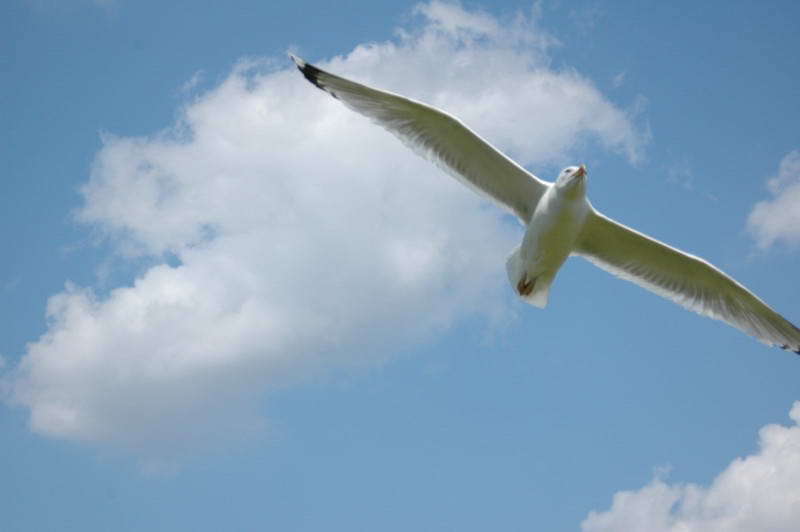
[685, 279]
[440, 138]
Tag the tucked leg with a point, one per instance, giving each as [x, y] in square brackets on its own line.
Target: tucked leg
[525, 287]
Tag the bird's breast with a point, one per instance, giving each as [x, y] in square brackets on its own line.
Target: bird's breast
[552, 231]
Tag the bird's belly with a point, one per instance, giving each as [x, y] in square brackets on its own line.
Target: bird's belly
[549, 239]
[547, 249]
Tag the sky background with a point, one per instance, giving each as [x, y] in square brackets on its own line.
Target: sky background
[230, 303]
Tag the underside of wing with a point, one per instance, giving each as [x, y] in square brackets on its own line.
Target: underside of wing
[688, 280]
[440, 138]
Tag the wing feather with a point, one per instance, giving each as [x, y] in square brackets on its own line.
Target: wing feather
[683, 278]
[439, 137]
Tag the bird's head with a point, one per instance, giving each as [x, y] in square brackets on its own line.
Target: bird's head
[572, 177]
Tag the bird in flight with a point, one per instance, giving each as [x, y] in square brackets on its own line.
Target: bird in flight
[558, 217]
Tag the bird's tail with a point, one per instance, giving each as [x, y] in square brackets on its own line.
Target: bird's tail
[518, 278]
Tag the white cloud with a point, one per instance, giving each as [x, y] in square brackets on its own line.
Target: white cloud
[778, 219]
[306, 236]
[618, 80]
[758, 492]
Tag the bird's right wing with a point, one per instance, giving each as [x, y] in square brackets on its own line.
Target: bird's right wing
[440, 138]
[685, 279]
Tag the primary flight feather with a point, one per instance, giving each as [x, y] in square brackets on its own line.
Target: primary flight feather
[558, 217]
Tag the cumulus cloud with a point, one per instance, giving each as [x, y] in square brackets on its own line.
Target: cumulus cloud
[778, 219]
[292, 235]
[758, 492]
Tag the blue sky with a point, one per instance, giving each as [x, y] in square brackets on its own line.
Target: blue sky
[228, 302]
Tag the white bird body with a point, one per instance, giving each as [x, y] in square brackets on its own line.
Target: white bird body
[550, 237]
[558, 217]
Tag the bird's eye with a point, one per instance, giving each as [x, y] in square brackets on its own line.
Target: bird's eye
[569, 171]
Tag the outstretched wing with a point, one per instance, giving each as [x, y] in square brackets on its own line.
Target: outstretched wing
[685, 279]
[440, 138]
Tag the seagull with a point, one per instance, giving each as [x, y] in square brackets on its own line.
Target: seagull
[559, 220]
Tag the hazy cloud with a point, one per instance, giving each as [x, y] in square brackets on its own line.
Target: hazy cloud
[301, 236]
[586, 17]
[681, 174]
[757, 492]
[778, 219]
[192, 83]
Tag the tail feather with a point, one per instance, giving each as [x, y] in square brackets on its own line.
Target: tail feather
[538, 298]
[515, 269]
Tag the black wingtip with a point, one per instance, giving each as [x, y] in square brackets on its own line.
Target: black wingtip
[310, 72]
[796, 347]
[792, 349]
